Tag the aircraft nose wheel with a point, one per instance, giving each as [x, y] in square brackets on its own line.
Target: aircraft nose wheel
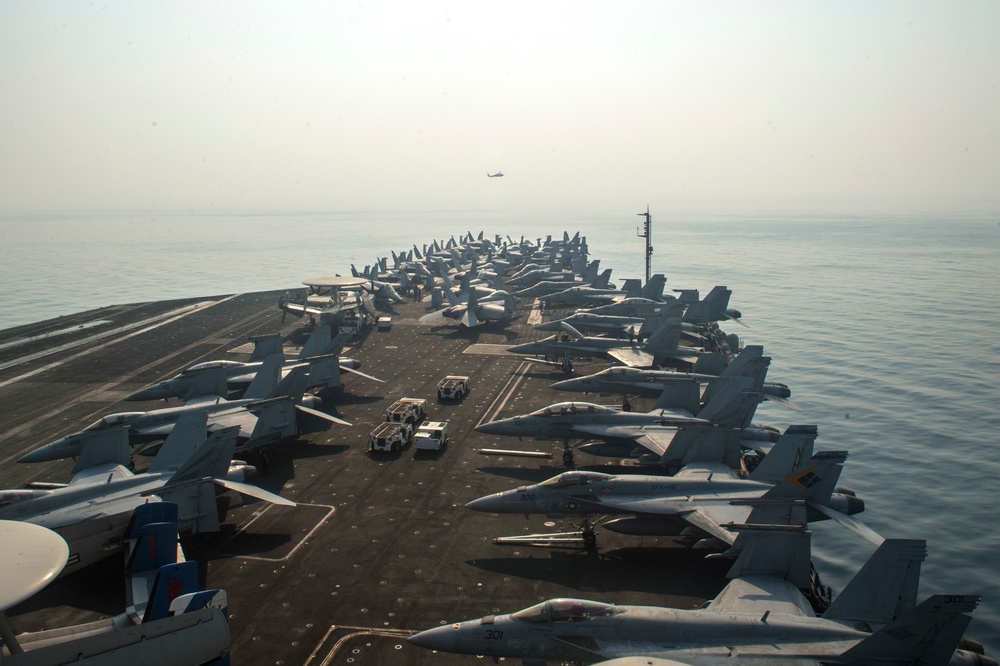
[588, 535]
[567, 455]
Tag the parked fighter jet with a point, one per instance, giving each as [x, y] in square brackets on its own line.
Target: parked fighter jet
[263, 418]
[662, 344]
[582, 296]
[650, 383]
[474, 312]
[498, 174]
[760, 617]
[733, 407]
[586, 322]
[91, 512]
[319, 354]
[668, 506]
[714, 307]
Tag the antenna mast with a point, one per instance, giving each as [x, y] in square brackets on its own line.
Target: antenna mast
[647, 233]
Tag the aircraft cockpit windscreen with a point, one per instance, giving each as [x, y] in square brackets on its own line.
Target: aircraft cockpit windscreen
[111, 420]
[575, 478]
[565, 610]
[213, 364]
[568, 408]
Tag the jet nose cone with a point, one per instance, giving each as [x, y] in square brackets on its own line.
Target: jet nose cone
[489, 503]
[61, 448]
[492, 428]
[441, 639]
[567, 385]
[526, 348]
[138, 396]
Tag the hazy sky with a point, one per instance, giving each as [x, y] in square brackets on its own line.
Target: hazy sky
[407, 105]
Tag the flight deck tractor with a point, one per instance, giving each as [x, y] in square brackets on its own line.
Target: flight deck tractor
[453, 387]
[390, 436]
[431, 436]
[406, 410]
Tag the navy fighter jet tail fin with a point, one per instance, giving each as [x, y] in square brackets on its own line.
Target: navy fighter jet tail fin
[319, 342]
[711, 308]
[815, 481]
[211, 459]
[773, 550]
[928, 634]
[603, 280]
[188, 433]
[264, 346]
[734, 406]
[266, 379]
[683, 395]
[632, 287]
[324, 371]
[790, 452]
[666, 337]
[653, 289]
[293, 384]
[886, 586]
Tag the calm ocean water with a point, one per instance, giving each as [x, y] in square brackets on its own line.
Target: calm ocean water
[885, 327]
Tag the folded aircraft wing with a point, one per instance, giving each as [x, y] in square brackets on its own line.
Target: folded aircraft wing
[632, 357]
[243, 418]
[710, 519]
[655, 438]
[99, 474]
[758, 594]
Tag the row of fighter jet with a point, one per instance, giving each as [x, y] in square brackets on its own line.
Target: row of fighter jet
[52, 529]
[169, 618]
[699, 432]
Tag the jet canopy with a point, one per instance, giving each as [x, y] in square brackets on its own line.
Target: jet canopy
[567, 408]
[575, 478]
[566, 610]
[214, 364]
[112, 420]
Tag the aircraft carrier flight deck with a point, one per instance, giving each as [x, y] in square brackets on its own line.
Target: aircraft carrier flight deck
[380, 545]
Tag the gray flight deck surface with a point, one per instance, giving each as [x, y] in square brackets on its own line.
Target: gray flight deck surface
[380, 545]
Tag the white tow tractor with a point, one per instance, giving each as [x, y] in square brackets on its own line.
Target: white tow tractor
[431, 436]
[406, 410]
[390, 436]
[453, 387]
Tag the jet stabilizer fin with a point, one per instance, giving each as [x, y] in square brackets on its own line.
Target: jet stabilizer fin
[791, 451]
[267, 377]
[886, 586]
[927, 634]
[103, 447]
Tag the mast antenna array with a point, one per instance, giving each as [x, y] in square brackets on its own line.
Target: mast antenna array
[647, 233]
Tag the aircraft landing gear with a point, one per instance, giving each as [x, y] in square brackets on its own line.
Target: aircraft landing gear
[588, 534]
[567, 454]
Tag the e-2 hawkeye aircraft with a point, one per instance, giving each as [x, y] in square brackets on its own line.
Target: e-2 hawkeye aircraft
[169, 620]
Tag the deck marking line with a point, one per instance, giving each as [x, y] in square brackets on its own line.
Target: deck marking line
[506, 393]
[355, 632]
[173, 316]
[292, 552]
